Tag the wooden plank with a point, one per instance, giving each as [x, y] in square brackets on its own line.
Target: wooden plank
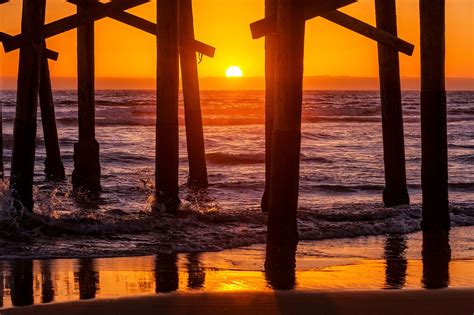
[313, 9]
[270, 48]
[54, 168]
[73, 21]
[282, 234]
[395, 192]
[150, 27]
[24, 134]
[86, 174]
[50, 54]
[167, 127]
[369, 31]
[192, 102]
[434, 143]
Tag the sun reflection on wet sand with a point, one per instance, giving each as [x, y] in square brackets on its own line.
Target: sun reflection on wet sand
[374, 263]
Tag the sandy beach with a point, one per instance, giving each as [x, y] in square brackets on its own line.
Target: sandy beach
[445, 301]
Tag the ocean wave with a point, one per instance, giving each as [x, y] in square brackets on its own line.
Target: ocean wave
[235, 158]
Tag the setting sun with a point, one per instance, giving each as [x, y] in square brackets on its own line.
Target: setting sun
[234, 72]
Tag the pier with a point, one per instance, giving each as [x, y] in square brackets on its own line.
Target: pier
[284, 30]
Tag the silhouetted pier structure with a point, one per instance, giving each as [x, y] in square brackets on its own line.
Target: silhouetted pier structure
[284, 28]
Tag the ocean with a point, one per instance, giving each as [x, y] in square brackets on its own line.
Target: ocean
[340, 188]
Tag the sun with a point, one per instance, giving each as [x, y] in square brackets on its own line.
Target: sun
[234, 72]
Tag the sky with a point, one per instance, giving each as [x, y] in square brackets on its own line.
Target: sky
[124, 54]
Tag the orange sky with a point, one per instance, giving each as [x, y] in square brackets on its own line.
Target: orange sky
[123, 52]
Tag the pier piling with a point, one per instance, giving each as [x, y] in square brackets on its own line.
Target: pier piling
[24, 134]
[270, 46]
[282, 234]
[86, 174]
[191, 96]
[395, 192]
[54, 168]
[167, 128]
[434, 168]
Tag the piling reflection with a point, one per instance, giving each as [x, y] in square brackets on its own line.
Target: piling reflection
[21, 283]
[280, 268]
[166, 273]
[47, 288]
[436, 257]
[87, 278]
[396, 262]
[196, 272]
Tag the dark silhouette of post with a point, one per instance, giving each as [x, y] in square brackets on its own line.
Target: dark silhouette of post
[47, 287]
[2, 170]
[166, 273]
[282, 234]
[22, 281]
[395, 192]
[434, 140]
[270, 47]
[24, 134]
[436, 257]
[54, 168]
[278, 275]
[395, 261]
[167, 142]
[192, 103]
[196, 272]
[88, 279]
[86, 174]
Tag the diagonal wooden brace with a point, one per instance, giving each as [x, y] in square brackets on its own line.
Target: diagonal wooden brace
[73, 21]
[268, 26]
[369, 31]
[50, 54]
[313, 9]
[146, 26]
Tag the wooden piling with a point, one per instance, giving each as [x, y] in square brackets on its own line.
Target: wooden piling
[282, 234]
[270, 46]
[54, 168]
[395, 192]
[86, 174]
[192, 102]
[1, 143]
[24, 134]
[434, 168]
[167, 128]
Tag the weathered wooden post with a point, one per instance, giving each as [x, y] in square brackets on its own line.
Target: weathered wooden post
[395, 192]
[282, 234]
[434, 168]
[192, 103]
[167, 146]
[270, 43]
[1, 143]
[24, 134]
[54, 168]
[86, 174]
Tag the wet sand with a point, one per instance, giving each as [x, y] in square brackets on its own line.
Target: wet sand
[445, 301]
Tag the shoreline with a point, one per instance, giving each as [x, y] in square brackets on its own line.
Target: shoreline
[452, 301]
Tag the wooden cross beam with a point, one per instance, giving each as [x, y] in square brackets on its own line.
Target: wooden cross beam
[147, 26]
[313, 9]
[73, 21]
[50, 54]
[268, 26]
